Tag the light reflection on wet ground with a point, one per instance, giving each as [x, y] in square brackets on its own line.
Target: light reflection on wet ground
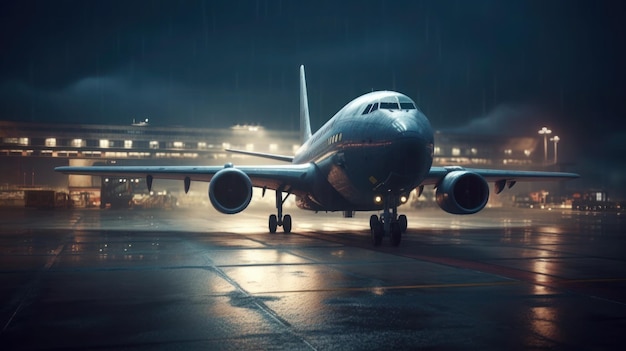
[195, 279]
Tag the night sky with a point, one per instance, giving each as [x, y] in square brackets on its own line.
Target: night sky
[472, 66]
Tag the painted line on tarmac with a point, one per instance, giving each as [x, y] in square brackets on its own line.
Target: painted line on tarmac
[379, 290]
[594, 280]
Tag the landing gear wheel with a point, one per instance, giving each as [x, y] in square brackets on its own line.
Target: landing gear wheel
[273, 223]
[376, 230]
[403, 223]
[287, 224]
[373, 220]
[396, 234]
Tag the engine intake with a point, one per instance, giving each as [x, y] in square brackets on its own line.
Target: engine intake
[462, 192]
[230, 190]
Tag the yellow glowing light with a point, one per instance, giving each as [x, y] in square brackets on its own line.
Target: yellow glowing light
[403, 199]
[378, 199]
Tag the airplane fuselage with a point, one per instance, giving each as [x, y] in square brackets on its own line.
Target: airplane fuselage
[378, 144]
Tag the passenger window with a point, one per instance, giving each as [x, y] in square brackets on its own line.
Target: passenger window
[367, 109]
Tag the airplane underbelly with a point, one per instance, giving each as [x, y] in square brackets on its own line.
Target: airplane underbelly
[323, 194]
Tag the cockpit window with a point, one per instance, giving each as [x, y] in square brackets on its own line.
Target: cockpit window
[402, 104]
[367, 109]
[389, 105]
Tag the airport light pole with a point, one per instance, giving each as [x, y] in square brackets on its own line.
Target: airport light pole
[545, 131]
[555, 139]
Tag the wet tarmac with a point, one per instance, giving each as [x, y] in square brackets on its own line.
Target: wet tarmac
[194, 279]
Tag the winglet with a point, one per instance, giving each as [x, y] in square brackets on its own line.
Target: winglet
[305, 123]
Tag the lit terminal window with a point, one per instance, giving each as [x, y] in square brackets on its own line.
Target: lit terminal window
[178, 144]
[128, 144]
[77, 143]
[474, 151]
[154, 144]
[139, 154]
[456, 151]
[51, 142]
[104, 143]
[527, 152]
[23, 141]
[508, 152]
[437, 150]
[116, 154]
[201, 145]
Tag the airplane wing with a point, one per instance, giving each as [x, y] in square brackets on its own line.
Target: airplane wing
[500, 177]
[262, 154]
[289, 177]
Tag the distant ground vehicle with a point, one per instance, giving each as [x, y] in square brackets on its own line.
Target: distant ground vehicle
[47, 199]
[525, 202]
[596, 200]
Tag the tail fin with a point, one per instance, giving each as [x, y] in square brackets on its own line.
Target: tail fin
[305, 123]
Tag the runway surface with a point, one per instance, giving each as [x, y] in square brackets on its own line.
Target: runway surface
[196, 279]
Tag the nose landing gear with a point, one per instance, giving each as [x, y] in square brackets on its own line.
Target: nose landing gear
[389, 223]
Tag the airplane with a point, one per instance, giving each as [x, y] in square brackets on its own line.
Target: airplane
[368, 157]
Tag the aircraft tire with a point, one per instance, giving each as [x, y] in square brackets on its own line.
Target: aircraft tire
[376, 230]
[273, 223]
[287, 224]
[403, 223]
[373, 221]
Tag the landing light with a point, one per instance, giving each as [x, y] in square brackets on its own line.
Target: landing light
[403, 199]
[378, 199]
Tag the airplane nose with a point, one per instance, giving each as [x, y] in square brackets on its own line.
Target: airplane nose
[410, 151]
[412, 132]
[410, 123]
[394, 155]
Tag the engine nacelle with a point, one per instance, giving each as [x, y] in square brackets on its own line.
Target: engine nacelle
[462, 192]
[230, 190]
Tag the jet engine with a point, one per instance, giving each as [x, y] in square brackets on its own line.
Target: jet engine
[230, 190]
[462, 192]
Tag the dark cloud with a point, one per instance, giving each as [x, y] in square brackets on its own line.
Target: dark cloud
[513, 120]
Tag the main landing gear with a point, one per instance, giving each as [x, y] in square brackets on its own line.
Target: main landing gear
[279, 220]
[389, 223]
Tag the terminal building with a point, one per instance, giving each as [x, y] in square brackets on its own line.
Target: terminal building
[30, 151]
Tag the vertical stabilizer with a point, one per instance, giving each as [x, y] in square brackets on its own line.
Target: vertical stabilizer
[305, 122]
